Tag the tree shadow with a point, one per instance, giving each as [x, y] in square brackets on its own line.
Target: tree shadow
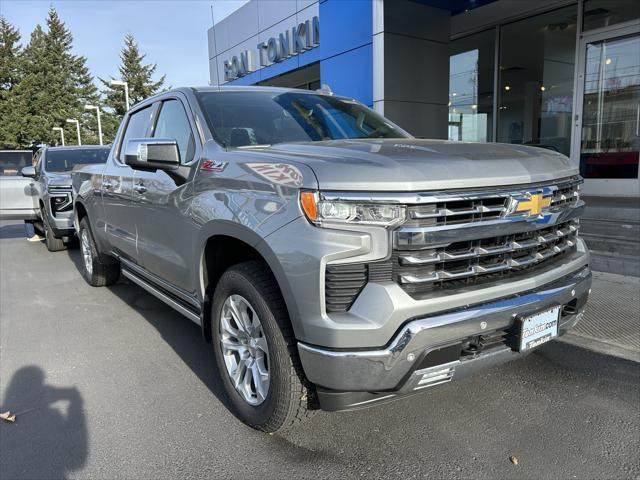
[49, 438]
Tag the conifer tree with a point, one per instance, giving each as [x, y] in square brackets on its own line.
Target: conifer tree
[10, 51]
[139, 77]
[55, 85]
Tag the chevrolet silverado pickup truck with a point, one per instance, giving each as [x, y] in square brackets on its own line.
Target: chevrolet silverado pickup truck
[333, 260]
[50, 190]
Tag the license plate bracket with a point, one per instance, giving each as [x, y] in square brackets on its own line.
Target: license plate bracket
[531, 331]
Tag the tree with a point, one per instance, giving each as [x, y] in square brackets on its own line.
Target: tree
[55, 85]
[138, 76]
[10, 51]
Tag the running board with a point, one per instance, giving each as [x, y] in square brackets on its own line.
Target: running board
[160, 295]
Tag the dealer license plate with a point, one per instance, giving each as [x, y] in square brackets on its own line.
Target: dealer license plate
[539, 328]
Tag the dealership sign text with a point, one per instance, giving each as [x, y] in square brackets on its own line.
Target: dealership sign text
[288, 43]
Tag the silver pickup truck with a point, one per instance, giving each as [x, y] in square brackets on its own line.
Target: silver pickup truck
[333, 260]
[42, 193]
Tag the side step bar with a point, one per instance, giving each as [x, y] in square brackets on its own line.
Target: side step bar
[160, 295]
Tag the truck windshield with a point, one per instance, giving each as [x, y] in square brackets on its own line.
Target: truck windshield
[65, 160]
[243, 119]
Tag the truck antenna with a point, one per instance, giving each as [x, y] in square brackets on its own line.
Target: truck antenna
[215, 46]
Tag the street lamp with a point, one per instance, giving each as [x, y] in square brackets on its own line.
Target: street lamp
[73, 120]
[120, 83]
[61, 130]
[97, 109]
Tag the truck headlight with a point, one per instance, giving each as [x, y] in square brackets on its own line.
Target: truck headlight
[323, 212]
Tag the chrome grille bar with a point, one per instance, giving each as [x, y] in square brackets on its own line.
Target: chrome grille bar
[511, 255]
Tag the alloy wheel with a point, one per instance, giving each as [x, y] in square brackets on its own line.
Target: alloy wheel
[85, 247]
[244, 349]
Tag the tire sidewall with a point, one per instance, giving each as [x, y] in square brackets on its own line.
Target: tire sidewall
[233, 282]
[89, 277]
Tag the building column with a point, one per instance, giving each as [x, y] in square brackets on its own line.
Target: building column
[411, 65]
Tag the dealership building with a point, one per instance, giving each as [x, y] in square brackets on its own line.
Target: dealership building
[563, 75]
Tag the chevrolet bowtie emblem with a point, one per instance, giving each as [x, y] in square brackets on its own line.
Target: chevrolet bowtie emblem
[534, 205]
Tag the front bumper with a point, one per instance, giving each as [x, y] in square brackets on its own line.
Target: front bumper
[423, 351]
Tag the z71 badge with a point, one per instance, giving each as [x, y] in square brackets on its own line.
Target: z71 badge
[213, 166]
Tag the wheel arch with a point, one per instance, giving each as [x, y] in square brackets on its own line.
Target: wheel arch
[238, 243]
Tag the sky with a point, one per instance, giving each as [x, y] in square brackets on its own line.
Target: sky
[172, 33]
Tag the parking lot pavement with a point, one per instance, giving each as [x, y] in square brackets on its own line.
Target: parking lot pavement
[611, 323]
[110, 383]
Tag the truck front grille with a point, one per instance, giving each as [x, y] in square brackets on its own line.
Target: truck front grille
[459, 239]
[466, 262]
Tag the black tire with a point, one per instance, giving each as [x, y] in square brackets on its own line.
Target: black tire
[53, 244]
[289, 397]
[101, 273]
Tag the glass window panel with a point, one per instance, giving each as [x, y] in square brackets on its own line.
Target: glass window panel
[471, 87]
[602, 13]
[173, 124]
[610, 145]
[537, 68]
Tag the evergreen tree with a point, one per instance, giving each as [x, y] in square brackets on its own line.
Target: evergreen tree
[138, 76]
[10, 51]
[56, 85]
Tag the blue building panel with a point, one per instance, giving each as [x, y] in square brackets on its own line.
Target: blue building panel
[279, 68]
[350, 74]
[344, 25]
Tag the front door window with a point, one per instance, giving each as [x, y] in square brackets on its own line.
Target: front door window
[610, 142]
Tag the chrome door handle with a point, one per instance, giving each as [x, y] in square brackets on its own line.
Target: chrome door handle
[140, 188]
[107, 184]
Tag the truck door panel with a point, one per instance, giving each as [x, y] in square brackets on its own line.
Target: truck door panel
[164, 230]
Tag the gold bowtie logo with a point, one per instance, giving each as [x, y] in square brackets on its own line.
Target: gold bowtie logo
[534, 205]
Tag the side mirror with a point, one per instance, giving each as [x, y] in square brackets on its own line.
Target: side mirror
[152, 154]
[28, 171]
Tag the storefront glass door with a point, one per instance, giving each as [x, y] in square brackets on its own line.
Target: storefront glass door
[607, 139]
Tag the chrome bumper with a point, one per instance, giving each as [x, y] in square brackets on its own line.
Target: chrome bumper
[394, 369]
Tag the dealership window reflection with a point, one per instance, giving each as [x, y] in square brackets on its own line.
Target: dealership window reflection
[610, 146]
[604, 13]
[471, 67]
[537, 66]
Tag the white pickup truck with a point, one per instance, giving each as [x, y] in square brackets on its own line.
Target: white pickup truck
[18, 199]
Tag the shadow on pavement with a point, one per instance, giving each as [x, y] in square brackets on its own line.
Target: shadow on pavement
[14, 230]
[178, 332]
[49, 438]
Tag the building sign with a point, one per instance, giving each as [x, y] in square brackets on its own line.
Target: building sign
[288, 43]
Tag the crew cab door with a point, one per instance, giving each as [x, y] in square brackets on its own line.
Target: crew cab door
[160, 199]
[18, 197]
[117, 188]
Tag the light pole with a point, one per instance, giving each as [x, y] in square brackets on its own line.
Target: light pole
[120, 83]
[61, 130]
[97, 109]
[73, 120]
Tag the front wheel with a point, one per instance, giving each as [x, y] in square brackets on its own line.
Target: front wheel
[255, 350]
[53, 244]
[96, 272]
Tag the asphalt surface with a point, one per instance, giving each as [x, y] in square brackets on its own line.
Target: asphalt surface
[110, 383]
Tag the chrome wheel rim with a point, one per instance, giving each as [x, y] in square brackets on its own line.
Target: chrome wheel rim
[244, 349]
[86, 251]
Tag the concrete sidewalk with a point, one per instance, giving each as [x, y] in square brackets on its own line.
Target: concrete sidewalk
[612, 318]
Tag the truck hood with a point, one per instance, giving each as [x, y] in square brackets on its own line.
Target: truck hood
[55, 179]
[415, 165]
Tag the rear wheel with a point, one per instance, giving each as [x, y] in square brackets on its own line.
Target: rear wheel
[96, 272]
[53, 244]
[255, 350]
